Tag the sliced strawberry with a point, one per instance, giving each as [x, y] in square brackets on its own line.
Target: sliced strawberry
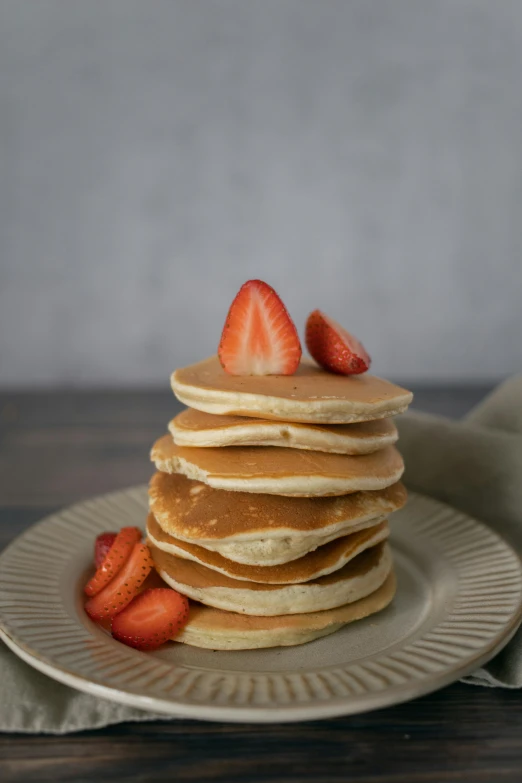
[101, 547]
[123, 587]
[114, 560]
[259, 337]
[333, 347]
[151, 619]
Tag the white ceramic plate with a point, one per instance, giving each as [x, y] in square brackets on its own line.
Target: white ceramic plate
[458, 603]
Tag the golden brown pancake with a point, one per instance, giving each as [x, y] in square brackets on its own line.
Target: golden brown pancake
[258, 529]
[323, 560]
[216, 629]
[279, 471]
[310, 395]
[358, 578]
[202, 430]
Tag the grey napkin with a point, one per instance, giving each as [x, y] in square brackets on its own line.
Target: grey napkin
[32, 703]
[474, 465]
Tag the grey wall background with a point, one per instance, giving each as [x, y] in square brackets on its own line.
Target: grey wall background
[362, 157]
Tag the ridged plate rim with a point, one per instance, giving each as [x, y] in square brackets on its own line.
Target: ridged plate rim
[485, 611]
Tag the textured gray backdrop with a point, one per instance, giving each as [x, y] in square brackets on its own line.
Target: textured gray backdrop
[363, 157]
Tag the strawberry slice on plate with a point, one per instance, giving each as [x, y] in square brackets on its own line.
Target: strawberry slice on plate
[259, 337]
[123, 587]
[114, 560]
[333, 347]
[151, 619]
[101, 547]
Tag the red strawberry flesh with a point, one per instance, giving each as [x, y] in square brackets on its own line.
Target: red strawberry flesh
[151, 619]
[101, 547]
[333, 347]
[114, 560]
[259, 337]
[125, 585]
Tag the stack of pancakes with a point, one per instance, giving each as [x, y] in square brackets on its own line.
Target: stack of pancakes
[269, 508]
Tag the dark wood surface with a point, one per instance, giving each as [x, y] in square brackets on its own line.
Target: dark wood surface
[57, 448]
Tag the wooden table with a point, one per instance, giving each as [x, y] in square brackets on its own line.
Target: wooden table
[56, 448]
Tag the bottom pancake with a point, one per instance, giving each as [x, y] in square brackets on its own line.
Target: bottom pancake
[216, 629]
[357, 579]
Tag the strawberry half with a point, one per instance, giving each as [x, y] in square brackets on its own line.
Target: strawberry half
[333, 347]
[123, 587]
[114, 560]
[101, 547]
[151, 619]
[259, 337]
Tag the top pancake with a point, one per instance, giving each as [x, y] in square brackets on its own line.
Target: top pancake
[206, 430]
[310, 395]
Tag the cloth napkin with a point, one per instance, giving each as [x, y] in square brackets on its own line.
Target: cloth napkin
[474, 465]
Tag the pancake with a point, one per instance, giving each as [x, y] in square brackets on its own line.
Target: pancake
[310, 395]
[357, 579]
[279, 471]
[322, 561]
[218, 630]
[203, 430]
[258, 529]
